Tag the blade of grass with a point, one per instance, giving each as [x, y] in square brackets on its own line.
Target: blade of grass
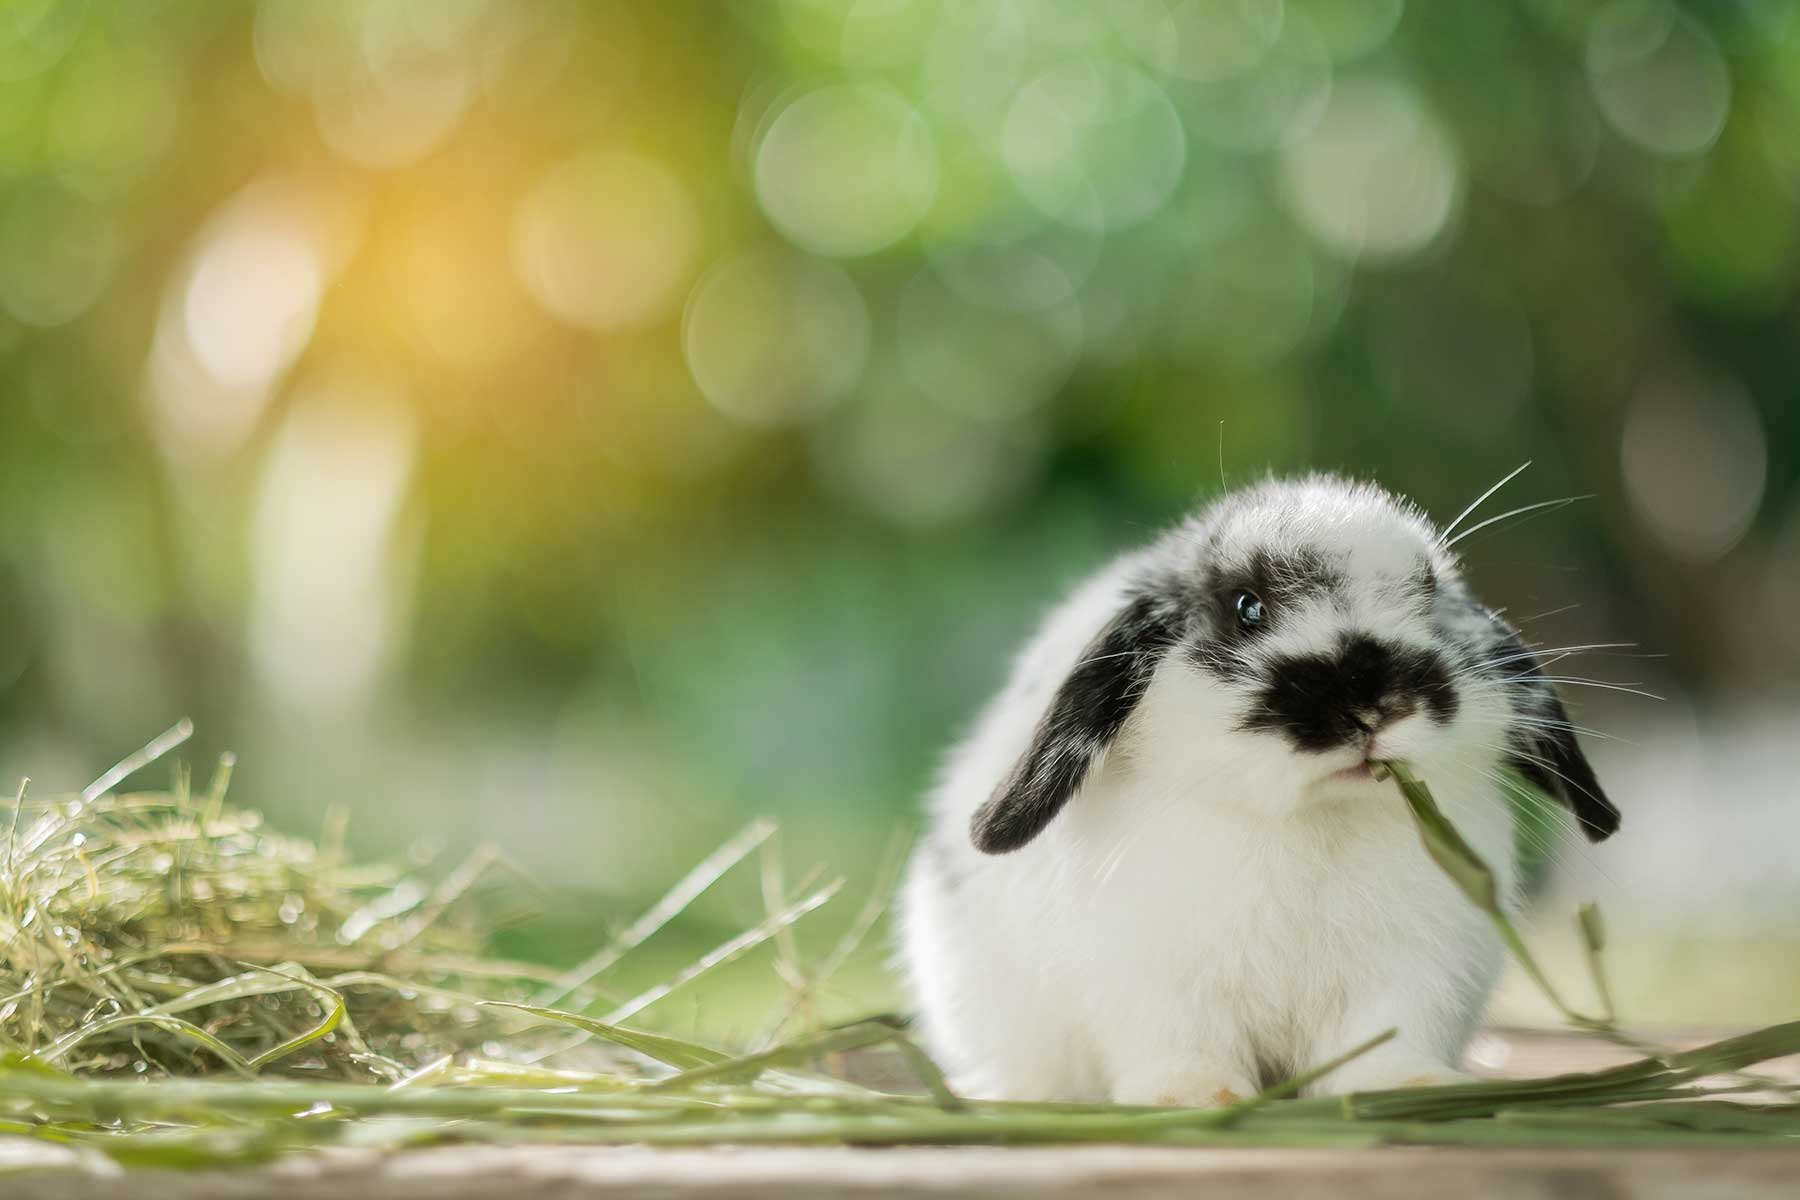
[673, 1052]
[1466, 868]
[172, 1025]
[928, 1073]
[12, 828]
[335, 1016]
[1298, 1083]
[130, 765]
[662, 912]
[1593, 943]
[725, 952]
[796, 1051]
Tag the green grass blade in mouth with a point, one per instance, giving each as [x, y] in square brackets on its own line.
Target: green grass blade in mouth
[1475, 879]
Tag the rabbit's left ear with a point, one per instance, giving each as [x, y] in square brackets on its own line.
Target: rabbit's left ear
[1088, 711]
[1547, 753]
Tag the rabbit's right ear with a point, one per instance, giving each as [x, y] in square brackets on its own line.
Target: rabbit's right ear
[1090, 708]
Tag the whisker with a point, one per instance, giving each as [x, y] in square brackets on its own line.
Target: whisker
[1534, 649]
[1103, 657]
[1540, 804]
[1559, 726]
[1549, 612]
[1544, 841]
[1545, 765]
[1577, 681]
[1479, 501]
[1517, 512]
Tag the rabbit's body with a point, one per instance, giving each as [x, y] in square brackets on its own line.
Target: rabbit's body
[1228, 897]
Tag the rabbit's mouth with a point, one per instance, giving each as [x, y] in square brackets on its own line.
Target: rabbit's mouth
[1348, 764]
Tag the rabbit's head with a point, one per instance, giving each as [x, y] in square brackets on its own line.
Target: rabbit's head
[1283, 641]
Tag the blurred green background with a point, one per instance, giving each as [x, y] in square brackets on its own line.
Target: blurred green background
[585, 426]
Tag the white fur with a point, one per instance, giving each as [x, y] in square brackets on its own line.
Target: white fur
[1212, 908]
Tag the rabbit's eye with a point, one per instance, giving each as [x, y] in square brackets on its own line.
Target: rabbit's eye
[1249, 609]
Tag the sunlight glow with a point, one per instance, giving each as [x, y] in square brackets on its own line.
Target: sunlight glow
[325, 599]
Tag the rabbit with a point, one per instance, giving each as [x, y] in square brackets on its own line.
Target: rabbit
[1162, 870]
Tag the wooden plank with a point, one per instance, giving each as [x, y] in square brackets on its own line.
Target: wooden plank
[1113, 1172]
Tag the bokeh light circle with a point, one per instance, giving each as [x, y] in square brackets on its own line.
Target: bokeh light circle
[1378, 177]
[396, 117]
[1271, 104]
[973, 65]
[773, 338]
[35, 34]
[57, 253]
[606, 241]
[303, 46]
[1353, 28]
[989, 363]
[389, 82]
[114, 115]
[915, 463]
[1095, 145]
[846, 170]
[1251, 299]
[1017, 261]
[1208, 40]
[1695, 463]
[1657, 77]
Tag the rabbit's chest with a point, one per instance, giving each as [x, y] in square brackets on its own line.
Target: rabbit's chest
[1283, 930]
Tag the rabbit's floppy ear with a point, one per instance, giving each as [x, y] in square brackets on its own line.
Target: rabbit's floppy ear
[1087, 713]
[1546, 752]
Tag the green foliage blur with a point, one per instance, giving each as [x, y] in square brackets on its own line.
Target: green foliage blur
[588, 424]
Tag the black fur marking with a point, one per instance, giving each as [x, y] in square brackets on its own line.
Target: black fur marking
[1089, 710]
[1280, 583]
[1322, 701]
[1547, 753]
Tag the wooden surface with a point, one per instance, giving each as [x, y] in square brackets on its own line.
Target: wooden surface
[1117, 1173]
[1114, 1172]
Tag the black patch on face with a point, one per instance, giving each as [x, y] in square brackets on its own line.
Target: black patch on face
[1322, 701]
[1281, 584]
[1090, 708]
[1546, 751]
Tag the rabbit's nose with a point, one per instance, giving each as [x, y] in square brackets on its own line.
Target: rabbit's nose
[1371, 719]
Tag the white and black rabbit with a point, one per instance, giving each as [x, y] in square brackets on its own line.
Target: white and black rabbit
[1160, 870]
